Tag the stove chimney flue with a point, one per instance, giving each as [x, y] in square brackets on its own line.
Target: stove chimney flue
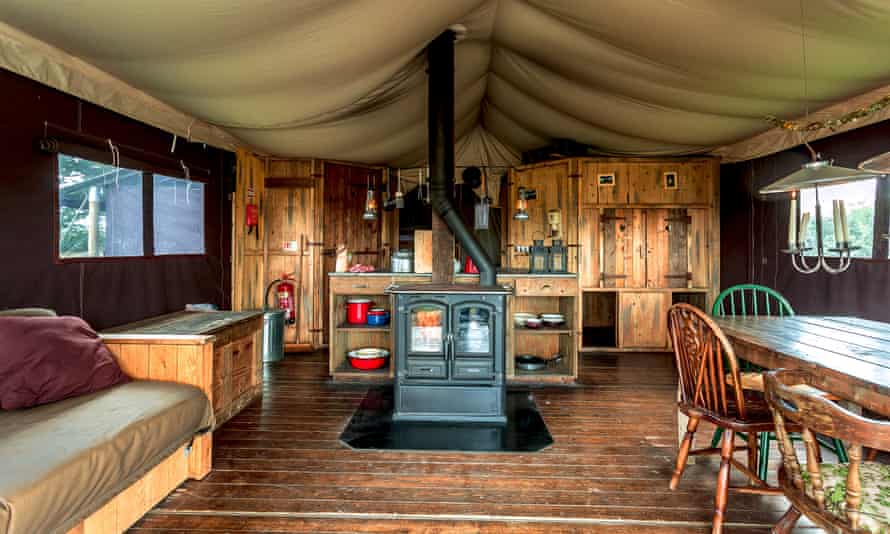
[440, 125]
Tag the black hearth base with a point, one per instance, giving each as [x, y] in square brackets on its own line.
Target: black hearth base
[372, 427]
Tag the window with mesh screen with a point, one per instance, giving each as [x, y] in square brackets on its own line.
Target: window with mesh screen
[99, 209]
[178, 217]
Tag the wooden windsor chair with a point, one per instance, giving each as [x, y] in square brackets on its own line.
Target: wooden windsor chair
[704, 360]
[748, 300]
[850, 497]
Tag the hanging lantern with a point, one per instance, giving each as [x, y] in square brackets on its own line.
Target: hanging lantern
[522, 198]
[539, 257]
[400, 197]
[370, 213]
[559, 257]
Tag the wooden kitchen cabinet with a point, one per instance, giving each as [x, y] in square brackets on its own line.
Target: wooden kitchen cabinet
[642, 319]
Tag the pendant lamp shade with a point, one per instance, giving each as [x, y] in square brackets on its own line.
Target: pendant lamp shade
[817, 173]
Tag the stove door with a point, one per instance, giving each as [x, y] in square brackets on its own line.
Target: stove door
[473, 329]
[427, 340]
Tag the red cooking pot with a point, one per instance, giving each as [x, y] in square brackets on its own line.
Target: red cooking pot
[357, 310]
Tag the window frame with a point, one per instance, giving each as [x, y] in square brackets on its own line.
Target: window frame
[148, 171]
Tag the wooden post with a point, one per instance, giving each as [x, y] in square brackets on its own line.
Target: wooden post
[93, 223]
[443, 251]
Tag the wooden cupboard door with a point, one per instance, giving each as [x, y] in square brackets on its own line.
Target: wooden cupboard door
[614, 188]
[642, 319]
[698, 247]
[667, 248]
[589, 247]
[623, 254]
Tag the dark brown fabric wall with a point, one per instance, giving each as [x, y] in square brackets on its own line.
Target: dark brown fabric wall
[753, 230]
[115, 291]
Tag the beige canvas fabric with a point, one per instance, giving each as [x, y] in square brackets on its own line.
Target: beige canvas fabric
[345, 79]
[64, 460]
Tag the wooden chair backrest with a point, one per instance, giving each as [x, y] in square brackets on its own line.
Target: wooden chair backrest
[703, 354]
[818, 415]
[749, 300]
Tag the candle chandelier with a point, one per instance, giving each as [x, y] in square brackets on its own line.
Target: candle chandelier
[817, 172]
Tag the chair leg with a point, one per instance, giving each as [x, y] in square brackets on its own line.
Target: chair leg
[787, 522]
[840, 451]
[715, 441]
[720, 500]
[683, 453]
[763, 464]
[753, 466]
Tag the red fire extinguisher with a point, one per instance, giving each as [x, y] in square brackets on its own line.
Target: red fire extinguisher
[252, 214]
[286, 298]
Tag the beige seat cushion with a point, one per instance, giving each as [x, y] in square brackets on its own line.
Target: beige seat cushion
[62, 461]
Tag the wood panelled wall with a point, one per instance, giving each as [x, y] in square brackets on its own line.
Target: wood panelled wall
[307, 208]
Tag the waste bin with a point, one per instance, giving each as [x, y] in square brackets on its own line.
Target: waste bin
[273, 335]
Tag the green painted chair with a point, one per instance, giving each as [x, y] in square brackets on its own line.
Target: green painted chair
[746, 300]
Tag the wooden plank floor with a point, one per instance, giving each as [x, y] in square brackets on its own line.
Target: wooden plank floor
[278, 467]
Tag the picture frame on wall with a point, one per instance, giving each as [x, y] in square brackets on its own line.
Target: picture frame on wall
[671, 180]
[605, 180]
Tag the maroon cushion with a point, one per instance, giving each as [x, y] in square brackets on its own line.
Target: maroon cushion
[45, 359]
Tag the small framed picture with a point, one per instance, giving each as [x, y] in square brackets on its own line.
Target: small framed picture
[671, 180]
[605, 180]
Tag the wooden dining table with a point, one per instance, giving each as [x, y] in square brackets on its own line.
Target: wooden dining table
[851, 354]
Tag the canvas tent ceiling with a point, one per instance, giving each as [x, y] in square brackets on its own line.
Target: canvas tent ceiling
[345, 79]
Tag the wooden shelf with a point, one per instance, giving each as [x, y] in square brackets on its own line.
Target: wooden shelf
[346, 327]
[542, 330]
[560, 374]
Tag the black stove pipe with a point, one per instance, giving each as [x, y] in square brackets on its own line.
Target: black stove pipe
[440, 131]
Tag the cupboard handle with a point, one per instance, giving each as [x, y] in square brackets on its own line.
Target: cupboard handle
[546, 286]
[359, 286]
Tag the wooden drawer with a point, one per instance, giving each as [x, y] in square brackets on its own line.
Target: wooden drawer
[546, 287]
[360, 286]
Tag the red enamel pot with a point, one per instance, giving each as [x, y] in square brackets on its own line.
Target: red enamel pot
[357, 310]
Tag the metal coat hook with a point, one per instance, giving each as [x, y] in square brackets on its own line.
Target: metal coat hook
[188, 182]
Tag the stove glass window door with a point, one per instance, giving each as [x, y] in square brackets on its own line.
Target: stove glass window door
[473, 329]
[427, 329]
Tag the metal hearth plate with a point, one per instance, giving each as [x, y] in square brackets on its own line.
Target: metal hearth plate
[372, 427]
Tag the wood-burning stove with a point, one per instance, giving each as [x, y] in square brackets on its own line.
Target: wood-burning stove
[449, 353]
